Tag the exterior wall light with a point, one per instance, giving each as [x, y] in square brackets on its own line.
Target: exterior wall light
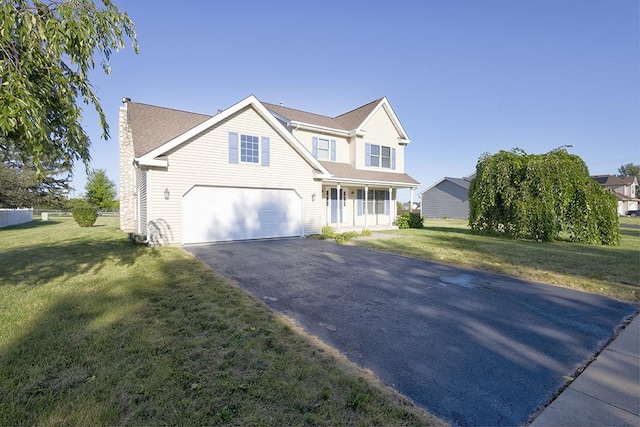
[313, 197]
[166, 194]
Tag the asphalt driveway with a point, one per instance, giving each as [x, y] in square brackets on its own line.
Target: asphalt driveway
[472, 348]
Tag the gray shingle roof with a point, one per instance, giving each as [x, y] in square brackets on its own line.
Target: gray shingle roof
[613, 181]
[347, 172]
[347, 121]
[152, 126]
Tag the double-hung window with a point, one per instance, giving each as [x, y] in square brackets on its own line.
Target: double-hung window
[375, 155]
[380, 156]
[324, 149]
[385, 158]
[249, 149]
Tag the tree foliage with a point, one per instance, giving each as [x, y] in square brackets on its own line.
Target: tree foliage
[21, 186]
[539, 197]
[100, 191]
[47, 50]
[629, 170]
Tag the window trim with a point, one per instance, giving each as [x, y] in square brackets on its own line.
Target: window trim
[257, 149]
[375, 158]
[323, 150]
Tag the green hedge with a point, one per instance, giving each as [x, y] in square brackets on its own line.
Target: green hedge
[85, 215]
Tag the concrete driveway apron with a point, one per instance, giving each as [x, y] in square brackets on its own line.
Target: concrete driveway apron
[470, 347]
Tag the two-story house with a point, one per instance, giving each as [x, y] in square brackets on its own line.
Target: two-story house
[624, 190]
[258, 170]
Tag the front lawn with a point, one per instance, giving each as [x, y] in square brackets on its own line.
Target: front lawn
[606, 270]
[97, 331]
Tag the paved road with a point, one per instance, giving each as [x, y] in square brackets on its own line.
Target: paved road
[472, 348]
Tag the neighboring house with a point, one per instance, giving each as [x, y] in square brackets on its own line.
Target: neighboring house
[258, 170]
[447, 198]
[624, 190]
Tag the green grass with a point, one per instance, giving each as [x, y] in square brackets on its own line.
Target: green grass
[607, 270]
[95, 330]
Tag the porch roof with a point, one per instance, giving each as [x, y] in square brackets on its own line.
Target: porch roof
[348, 174]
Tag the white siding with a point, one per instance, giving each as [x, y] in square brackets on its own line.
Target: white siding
[342, 143]
[204, 160]
[380, 131]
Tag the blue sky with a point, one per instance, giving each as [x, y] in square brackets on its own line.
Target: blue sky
[464, 77]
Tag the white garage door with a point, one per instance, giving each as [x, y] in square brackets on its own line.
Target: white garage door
[218, 214]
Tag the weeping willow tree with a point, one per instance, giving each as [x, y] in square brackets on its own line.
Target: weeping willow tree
[540, 197]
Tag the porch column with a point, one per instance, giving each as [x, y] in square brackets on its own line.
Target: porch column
[339, 212]
[391, 208]
[410, 199]
[366, 204]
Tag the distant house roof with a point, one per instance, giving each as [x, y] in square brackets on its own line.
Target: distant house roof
[614, 181]
[462, 182]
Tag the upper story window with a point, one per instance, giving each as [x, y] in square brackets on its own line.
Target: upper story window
[324, 151]
[380, 156]
[249, 149]
[323, 148]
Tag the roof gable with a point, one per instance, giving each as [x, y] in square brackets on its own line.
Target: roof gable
[150, 157]
[384, 103]
[354, 118]
[351, 121]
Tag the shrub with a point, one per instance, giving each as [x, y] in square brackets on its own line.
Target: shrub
[328, 232]
[410, 220]
[366, 232]
[346, 236]
[85, 214]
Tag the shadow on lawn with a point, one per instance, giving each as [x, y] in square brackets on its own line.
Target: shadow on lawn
[614, 264]
[39, 263]
[119, 351]
[32, 224]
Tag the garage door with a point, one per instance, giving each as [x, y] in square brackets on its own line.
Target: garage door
[218, 214]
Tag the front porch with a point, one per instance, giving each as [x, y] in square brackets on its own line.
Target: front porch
[358, 207]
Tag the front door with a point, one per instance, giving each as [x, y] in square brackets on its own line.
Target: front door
[337, 200]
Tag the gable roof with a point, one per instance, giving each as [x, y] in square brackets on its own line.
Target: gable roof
[150, 158]
[350, 122]
[299, 116]
[152, 126]
[462, 182]
[345, 122]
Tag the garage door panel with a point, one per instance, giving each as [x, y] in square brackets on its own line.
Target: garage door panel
[213, 214]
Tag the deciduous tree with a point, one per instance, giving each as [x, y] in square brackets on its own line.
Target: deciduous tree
[100, 191]
[539, 197]
[47, 50]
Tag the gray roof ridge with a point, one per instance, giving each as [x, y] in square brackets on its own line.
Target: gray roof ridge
[169, 108]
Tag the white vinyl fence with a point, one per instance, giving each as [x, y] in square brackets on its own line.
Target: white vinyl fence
[15, 216]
